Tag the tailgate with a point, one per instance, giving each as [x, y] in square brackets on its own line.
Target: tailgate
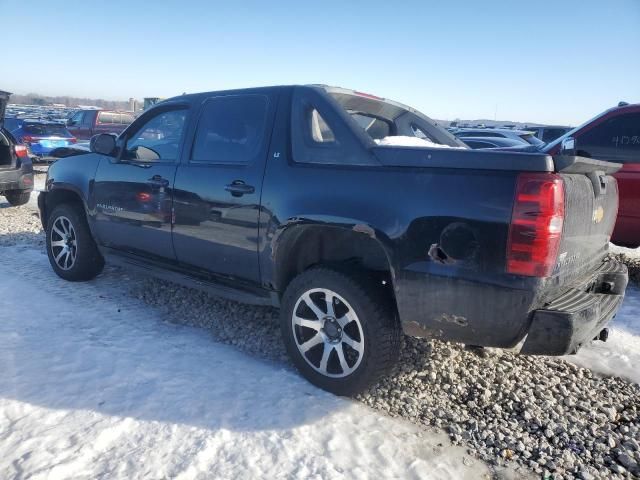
[591, 207]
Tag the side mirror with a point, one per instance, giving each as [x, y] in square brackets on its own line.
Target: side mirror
[70, 122]
[103, 143]
[568, 146]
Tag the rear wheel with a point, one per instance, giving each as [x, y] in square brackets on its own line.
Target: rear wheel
[17, 197]
[341, 333]
[72, 252]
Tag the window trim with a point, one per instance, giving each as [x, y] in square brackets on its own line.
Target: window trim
[267, 126]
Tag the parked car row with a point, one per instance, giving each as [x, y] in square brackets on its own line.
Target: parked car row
[359, 217]
[16, 169]
[41, 130]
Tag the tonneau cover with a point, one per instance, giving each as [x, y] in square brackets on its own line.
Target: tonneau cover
[394, 156]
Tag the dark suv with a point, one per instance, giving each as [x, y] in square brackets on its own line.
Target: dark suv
[360, 217]
[16, 169]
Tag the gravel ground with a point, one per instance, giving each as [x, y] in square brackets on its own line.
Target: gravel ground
[546, 416]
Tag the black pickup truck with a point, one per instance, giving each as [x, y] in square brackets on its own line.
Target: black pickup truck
[359, 217]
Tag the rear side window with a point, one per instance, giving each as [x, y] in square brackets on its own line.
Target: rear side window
[320, 131]
[616, 139]
[46, 130]
[231, 129]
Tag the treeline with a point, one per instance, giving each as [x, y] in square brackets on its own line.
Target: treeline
[36, 99]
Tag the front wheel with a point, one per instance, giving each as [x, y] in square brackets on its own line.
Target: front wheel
[340, 333]
[17, 197]
[72, 252]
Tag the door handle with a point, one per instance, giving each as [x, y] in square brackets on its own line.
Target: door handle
[158, 181]
[237, 188]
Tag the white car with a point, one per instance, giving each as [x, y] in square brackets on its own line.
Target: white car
[522, 136]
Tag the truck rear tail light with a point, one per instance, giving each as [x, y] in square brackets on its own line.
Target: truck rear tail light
[536, 224]
[21, 151]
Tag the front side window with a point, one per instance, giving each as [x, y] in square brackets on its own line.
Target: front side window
[231, 129]
[76, 119]
[158, 139]
[616, 139]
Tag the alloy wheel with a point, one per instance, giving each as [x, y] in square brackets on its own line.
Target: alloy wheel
[64, 244]
[327, 332]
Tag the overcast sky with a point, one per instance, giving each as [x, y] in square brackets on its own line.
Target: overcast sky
[542, 61]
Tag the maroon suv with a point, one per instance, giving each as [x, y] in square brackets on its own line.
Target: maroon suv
[614, 135]
[84, 124]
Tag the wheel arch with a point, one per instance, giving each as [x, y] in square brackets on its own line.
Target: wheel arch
[300, 247]
[57, 196]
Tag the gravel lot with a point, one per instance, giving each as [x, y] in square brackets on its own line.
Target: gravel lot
[548, 416]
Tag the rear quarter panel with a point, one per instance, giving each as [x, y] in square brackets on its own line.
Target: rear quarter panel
[460, 216]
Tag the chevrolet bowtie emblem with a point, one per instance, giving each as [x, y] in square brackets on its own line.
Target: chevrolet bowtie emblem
[598, 215]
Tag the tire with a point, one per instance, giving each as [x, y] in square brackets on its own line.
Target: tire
[17, 197]
[67, 228]
[363, 331]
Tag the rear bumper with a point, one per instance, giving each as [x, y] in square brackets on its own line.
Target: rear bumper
[16, 179]
[576, 317]
[507, 316]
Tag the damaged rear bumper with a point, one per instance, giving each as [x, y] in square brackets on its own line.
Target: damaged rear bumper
[576, 317]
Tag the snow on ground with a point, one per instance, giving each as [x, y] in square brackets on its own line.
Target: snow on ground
[620, 354]
[93, 384]
[629, 252]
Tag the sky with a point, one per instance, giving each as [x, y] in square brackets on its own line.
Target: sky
[545, 61]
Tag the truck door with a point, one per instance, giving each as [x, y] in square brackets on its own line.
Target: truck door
[133, 194]
[218, 186]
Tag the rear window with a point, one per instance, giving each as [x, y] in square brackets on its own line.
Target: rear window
[46, 130]
[550, 134]
[11, 124]
[616, 139]
[377, 128]
[126, 118]
[483, 133]
[108, 117]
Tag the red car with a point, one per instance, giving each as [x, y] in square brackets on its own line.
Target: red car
[614, 136]
[84, 124]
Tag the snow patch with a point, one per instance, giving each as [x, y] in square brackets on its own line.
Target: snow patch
[620, 354]
[95, 384]
[406, 141]
[629, 252]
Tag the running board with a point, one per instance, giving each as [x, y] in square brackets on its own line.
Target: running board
[251, 296]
